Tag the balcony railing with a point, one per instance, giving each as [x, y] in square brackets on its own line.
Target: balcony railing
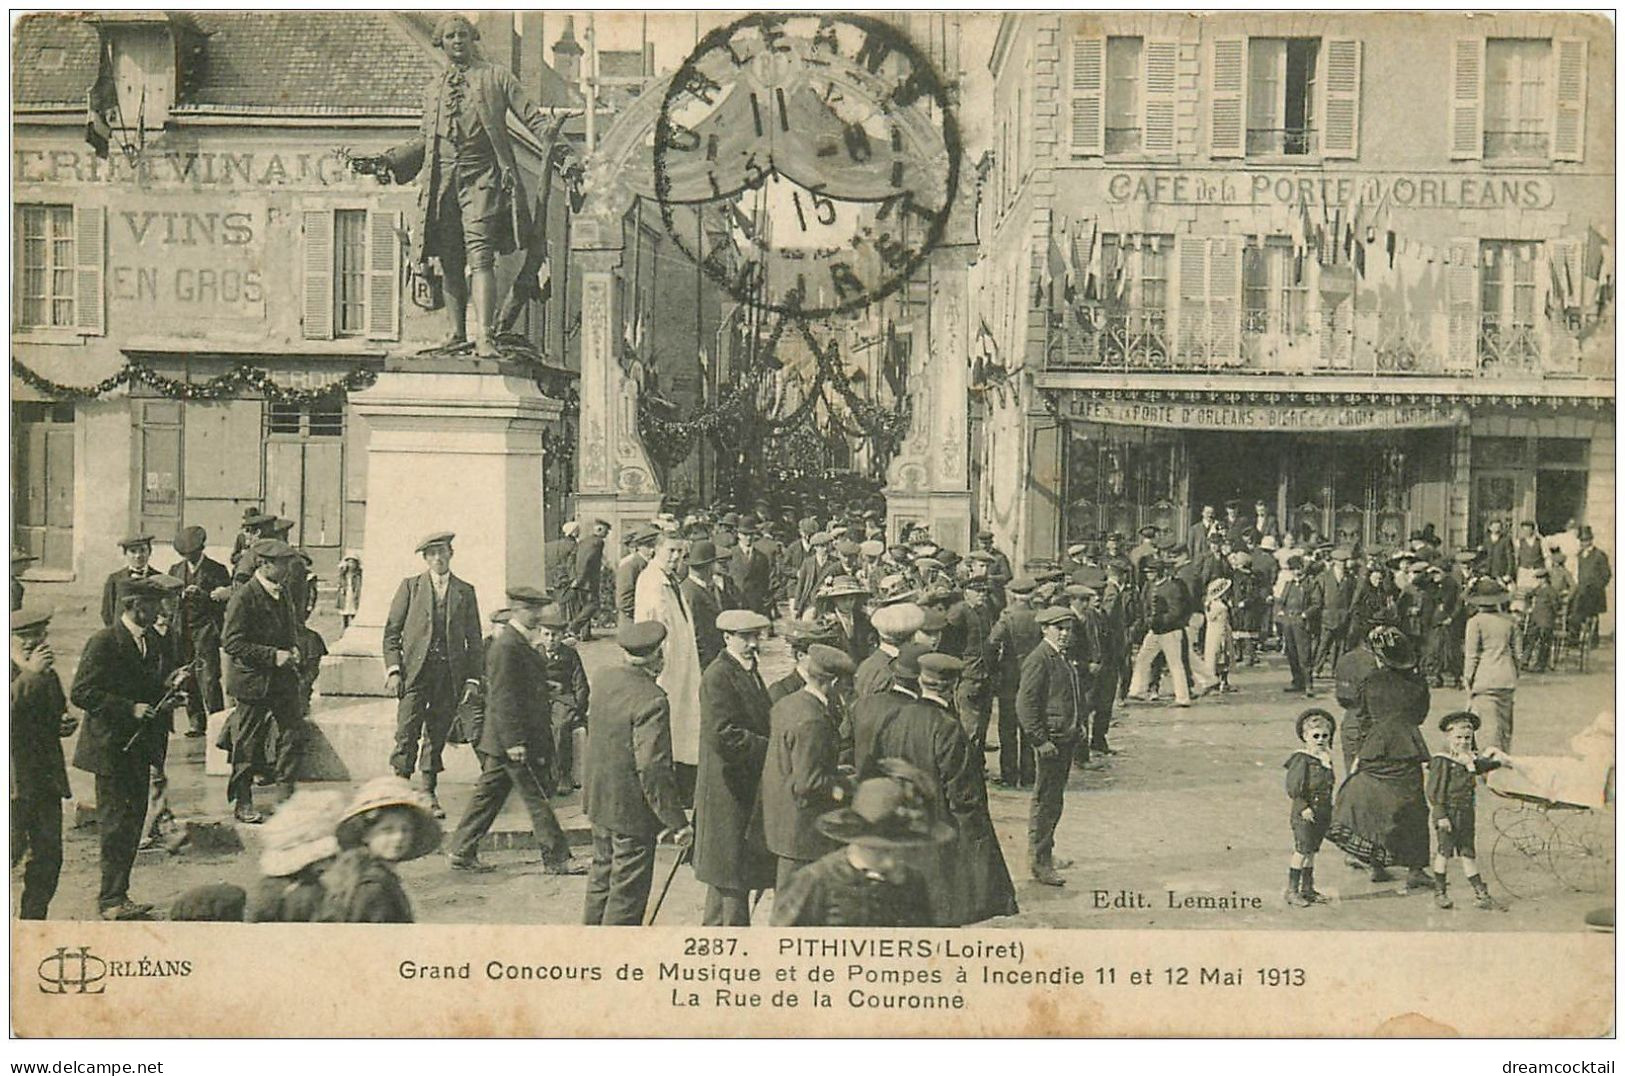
[1280, 141]
[1337, 341]
[1517, 145]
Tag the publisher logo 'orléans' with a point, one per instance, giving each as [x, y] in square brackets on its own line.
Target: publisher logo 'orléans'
[76, 970]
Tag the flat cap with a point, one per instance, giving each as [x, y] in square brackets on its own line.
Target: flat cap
[898, 621]
[821, 538]
[31, 617]
[437, 538]
[134, 540]
[552, 616]
[1079, 590]
[907, 662]
[1055, 614]
[272, 549]
[742, 620]
[1077, 549]
[872, 548]
[1148, 531]
[166, 583]
[821, 630]
[1022, 585]
[937, 666]
[253, 517]
[827, 661]
[642, 535]
[642, 638]
[189, 540]
[848, 548]
[528, 596]
[146, 586]
[1342, 552]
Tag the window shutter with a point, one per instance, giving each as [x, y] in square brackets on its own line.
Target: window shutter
[1192, 315]
[318, 298]
[1569, 125]
[1161, 96]
[1340, 104]
[1461, 283]
[1224, 299]
[1088, 96]
[383, 275]
[89, 257]
[1467, 99]
[1227, 93]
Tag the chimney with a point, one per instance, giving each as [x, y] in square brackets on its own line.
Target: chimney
[496, 37]
[567, 54]
[533, 46]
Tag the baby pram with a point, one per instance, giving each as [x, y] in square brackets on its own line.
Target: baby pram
[1556, 828]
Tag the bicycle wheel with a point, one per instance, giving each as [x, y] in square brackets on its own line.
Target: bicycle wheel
[1520, 856]
[1582, 851]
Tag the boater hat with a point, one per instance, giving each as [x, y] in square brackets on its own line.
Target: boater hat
[896, 810]
[381, 793]
[842, 586]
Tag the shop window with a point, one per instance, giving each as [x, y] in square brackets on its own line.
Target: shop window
[1517, 99]
[1123, 94]
[1281, 96]
[1508, 294]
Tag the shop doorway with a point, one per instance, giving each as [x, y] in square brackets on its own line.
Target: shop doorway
[1559, 497]
[42, 482]
[304, 475]
[1235, 466]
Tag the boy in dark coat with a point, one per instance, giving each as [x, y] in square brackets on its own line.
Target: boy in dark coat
[261, 641]
[39, 779]
[1309, 783]
[516, 742]
[120, 676]
[569, 693]
[800, 775]
[137, 550]
[734, 723]
[1051, 704]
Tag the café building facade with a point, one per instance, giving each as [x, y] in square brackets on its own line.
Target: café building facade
[1358, 267]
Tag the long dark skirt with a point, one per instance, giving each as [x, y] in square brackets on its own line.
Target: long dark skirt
[1381, 815]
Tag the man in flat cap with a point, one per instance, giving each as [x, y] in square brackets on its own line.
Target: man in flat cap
[581, 596]
[516, 742]
[801, 777]
[205, 589]
[631, 786]
[137, 550]
[895, 624]
[39, 779]
[472, 204]
[630, 568]
[261, 641]
[1050, 703]
[729, 855]
[998, 568]
[432, 661]
[569, 693]
[121, 676]
[1011, 639]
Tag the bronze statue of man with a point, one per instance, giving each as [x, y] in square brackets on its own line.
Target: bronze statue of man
[471, 200]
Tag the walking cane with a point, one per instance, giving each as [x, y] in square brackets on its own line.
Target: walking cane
[682, 854]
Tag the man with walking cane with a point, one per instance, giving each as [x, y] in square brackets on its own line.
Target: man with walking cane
[631, 784]
[515, 742]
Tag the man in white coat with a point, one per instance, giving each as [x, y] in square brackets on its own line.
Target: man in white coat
[660, 597]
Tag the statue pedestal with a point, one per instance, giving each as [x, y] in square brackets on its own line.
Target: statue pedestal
[456, 445]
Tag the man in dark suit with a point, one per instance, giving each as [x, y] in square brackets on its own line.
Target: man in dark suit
[631, 794]
[630, 568]
[1500, 557]
[701, 598]
[515, 743]
[1012, 638]
[137, 550]
[39, 779]
[1300, 604]
[815, 568]
[998, 568]
[1591, 575]
[1200, 534]
[1336, 585]
[1050, 704]
[432, 661]
[581, 602]
[752, 573]
[568, 695]
[120, 677]
[260, 638]
[206, 587]
[800, 775]
[729, 856]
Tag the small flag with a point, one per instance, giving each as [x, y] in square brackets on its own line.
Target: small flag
[101, 106]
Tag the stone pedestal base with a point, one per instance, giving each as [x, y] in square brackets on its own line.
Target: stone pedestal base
[946, 515]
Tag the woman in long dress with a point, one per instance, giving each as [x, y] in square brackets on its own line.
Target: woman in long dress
[1381, 816]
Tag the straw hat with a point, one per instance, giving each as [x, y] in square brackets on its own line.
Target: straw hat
[301, 832]
[1393, 648]
[381, 793]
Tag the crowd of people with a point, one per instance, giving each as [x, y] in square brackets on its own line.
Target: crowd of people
[859, 776]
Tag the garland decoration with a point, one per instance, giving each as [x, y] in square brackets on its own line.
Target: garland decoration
[228, 385]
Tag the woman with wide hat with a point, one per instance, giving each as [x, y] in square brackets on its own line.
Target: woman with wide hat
[388, 822]
[1381, 815]
[1490, 660]
[866, 884]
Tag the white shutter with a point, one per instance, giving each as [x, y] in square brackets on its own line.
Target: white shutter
[1088, 96]
[1461, 292]
[1192, 294]
[1467, 99]
[1569, 124]
[383, 275]
[1340, 103]
[89, 258]
[1224, 298]
[1227, 97]
[318, 293]
[1161, 96]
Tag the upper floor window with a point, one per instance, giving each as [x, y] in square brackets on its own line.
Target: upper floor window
[352, 270]
[57, 284]
[1518, 99]
[349, 272]
[1123, 96]
[1284, 97]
